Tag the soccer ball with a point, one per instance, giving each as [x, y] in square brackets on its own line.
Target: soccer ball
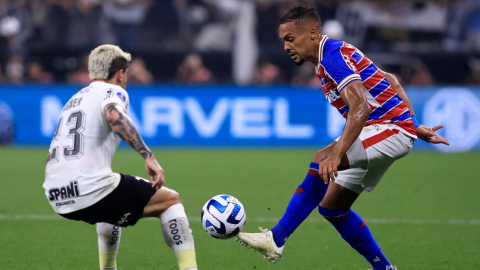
[223, 216]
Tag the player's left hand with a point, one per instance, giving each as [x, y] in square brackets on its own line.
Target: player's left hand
[157, 177]
[428, 134]
[327, 169]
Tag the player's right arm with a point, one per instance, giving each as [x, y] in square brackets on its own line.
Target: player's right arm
[423, 132]
[124, 127]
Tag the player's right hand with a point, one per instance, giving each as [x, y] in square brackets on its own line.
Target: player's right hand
[157, 177]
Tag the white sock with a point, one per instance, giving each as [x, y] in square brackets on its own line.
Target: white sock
[108, 243]
[177, 235]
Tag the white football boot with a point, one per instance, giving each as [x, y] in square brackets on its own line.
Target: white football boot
[262, 242]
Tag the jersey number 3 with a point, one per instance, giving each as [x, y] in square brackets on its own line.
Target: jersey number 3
[76, 121]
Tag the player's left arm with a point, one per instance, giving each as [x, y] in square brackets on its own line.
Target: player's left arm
[354, 97]
[124, 127]
[425, 133]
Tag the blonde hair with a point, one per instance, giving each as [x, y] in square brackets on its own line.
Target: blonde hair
[101, 58]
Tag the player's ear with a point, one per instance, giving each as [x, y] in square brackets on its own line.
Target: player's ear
[120, 75]
[314, 33]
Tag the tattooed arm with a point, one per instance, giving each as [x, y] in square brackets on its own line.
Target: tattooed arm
[124, 127]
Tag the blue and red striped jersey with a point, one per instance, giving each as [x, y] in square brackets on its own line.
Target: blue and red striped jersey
[341, 63]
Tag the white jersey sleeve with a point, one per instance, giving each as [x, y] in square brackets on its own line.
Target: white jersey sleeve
[117, 95]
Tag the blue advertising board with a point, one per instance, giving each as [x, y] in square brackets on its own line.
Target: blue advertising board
[227, 115]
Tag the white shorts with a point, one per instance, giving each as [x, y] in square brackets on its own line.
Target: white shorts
[372, 153]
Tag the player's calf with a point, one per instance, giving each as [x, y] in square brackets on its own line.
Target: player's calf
[354, 231]
[305, 199]
[166, 204]
[108, 243]
[178, 235]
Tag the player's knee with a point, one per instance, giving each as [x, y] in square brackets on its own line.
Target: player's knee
[319, 156]
[107, 230]
[171, 199]
[333, 215]
[175, 198]
[161, 201]
[102, 232]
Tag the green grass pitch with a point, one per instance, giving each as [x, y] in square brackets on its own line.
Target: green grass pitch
[429, 202]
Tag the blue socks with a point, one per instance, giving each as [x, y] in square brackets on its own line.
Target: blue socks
[348, 223]
[306, 198]
[353, 229]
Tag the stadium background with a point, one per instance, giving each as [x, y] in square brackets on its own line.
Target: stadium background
[226, 111]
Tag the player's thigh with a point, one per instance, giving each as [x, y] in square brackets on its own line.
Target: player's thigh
[350, 183]
[352, 179]
[391, 146]
[374, 175]
[378, 145]
[362, 179]
[355, 157]
[161, 201]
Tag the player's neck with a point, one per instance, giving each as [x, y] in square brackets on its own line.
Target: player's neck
[111, 81]
[315, 56]
[315, 59]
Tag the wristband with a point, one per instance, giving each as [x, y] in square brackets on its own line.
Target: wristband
[415, 122]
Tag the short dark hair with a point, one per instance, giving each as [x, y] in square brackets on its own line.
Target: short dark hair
[300, 13]
[117, 64]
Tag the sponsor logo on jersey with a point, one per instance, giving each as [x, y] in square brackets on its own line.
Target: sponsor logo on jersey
[377, 127]
[62, 193]
[109, 94]
[121, 96]
[332, 95]
[65, 203]
[349, 62]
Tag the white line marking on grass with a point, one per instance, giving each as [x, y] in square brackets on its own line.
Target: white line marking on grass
[30, 217]
[388, 221]
[264, 219]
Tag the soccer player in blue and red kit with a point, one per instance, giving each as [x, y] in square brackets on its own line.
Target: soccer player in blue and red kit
[380, 128]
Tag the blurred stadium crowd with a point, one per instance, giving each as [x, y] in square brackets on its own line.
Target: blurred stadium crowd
[424, 42]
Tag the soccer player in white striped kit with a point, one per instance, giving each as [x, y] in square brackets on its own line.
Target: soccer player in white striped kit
[380, 128]
[79, 182]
